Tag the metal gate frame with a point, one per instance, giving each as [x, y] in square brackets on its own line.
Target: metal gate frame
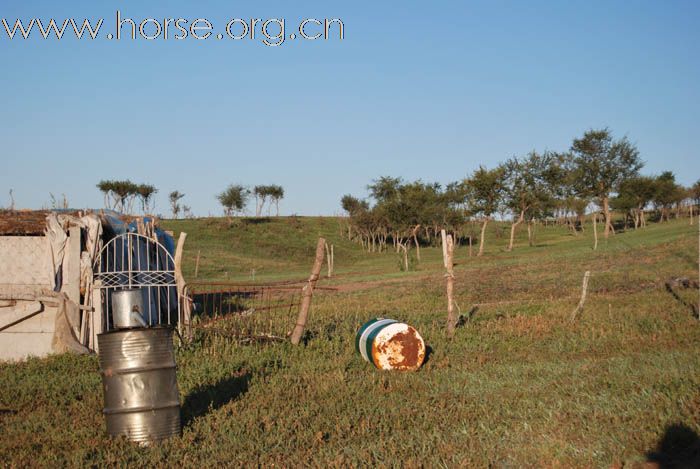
[133, 260]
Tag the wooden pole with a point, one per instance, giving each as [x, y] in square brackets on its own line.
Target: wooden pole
[182, 300]
[196, 264]
[691, 214]
[595, 230]
[96, 320]
[448, 248]
[329, 260]
[584, 292]
[699, 268]
[307, 293]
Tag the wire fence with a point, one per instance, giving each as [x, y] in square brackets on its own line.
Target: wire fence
[246, 312]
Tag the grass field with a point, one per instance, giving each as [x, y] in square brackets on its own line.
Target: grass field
[518, 386]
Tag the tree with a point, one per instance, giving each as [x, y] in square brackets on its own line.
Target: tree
[276, 194]
[106, 188]
[260, 193]
[174, 198]
[352, 205]
[485, 191]
[634, 194]
[385, 188]
[666, 193]
[146, 192]
[530, 185]
[600, 165]
[234, 199]
[695, 192]
[122, 193]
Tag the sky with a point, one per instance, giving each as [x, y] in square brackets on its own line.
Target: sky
[419, 90]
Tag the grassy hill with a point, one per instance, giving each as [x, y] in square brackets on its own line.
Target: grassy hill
[520, 385]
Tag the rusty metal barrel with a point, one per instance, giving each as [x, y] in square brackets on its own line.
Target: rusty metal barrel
[390, 345]
[141, 399]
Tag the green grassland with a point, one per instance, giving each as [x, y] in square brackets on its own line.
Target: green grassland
[519, 385]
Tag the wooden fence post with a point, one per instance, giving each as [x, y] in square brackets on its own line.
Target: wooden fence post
[196, 264]
[595, 231]
[329, 259]
[307, 293]
[448, 248]
[96, 320]
[182, 299]
[584, 292]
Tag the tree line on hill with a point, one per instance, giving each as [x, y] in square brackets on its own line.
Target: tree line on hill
[597, 174]
[234, 199]
[119, 195]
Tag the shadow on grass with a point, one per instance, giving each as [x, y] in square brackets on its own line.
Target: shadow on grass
[682, 283]
[257, 220]
[208, 398]
[678, 448]
[465, 318]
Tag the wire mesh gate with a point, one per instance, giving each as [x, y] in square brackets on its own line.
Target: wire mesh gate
[246, 312]
[133, 260]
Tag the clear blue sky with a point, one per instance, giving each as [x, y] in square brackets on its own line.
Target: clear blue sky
[417, 89]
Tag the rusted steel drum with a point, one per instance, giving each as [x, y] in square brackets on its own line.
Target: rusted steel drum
[390, 345]
[140, 386]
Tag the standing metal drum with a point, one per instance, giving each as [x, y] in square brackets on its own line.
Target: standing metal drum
[390, 345]
[127, 308]
[140, 385]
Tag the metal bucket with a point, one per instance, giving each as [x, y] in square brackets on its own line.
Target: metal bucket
[127, 308]
[390, 345]
[140, 386]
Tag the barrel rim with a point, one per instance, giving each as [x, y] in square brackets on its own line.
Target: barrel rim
[158, 327]
[135, 410]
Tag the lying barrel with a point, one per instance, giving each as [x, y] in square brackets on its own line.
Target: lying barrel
[390, 345]
[141, 399]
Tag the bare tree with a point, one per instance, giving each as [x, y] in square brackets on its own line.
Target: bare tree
[174, 198]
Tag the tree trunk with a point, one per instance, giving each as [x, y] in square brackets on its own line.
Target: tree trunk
[513, 226]
[307, 293]
[415, 240]
[531, 232]
[405, 256]
[608, 222]
[595, 230]
[481, 240]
